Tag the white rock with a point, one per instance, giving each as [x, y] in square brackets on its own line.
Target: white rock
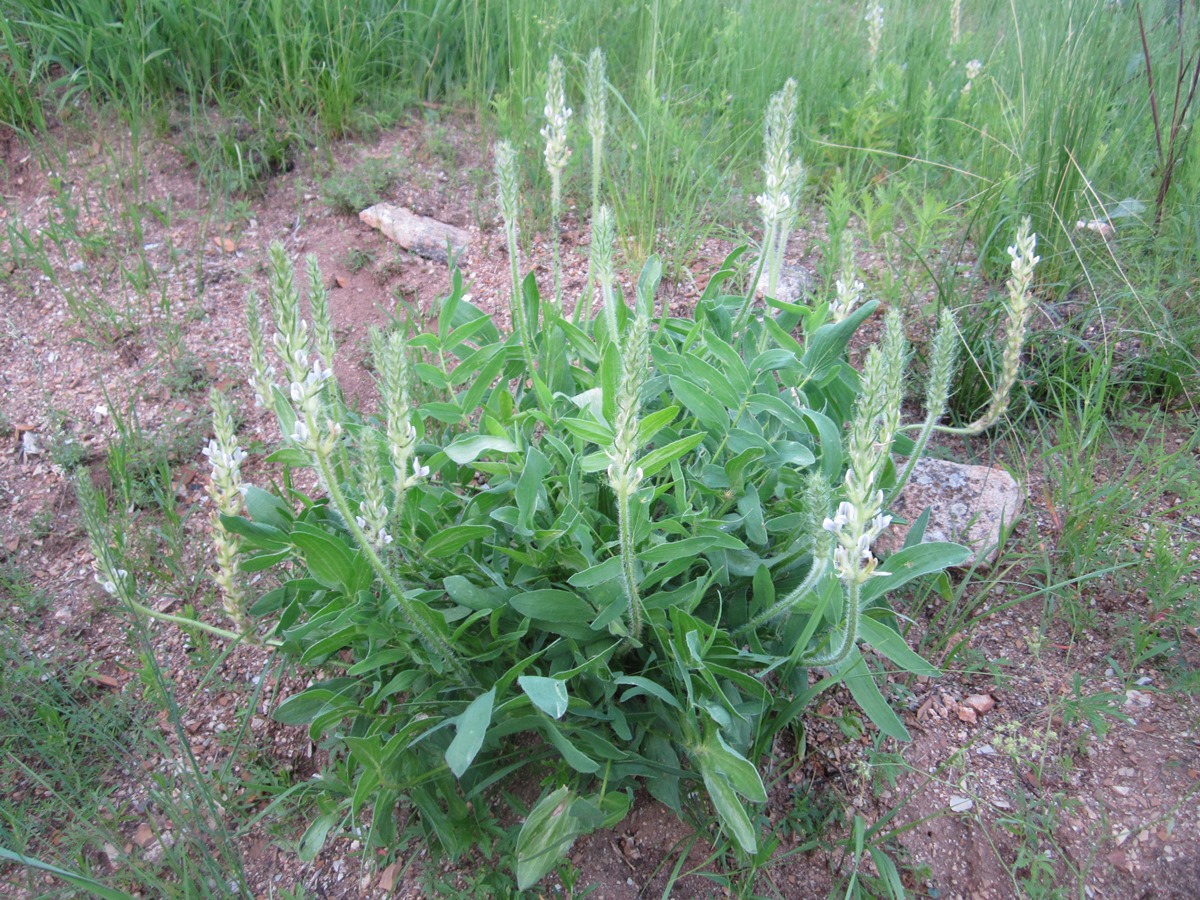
[422, 235]
[967, 505]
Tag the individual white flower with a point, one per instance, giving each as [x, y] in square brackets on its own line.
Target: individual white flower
[419, 471]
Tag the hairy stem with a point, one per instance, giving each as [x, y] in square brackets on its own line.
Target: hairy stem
[433, 642]
[853, 610]
[628, 564]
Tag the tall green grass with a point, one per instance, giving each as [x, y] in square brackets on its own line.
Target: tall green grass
[1059, 111]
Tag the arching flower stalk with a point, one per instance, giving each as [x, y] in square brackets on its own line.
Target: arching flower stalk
[784, 177]
[596, 100]
[1019, 308]
[860, 518]
[557, 153]
[225, 489]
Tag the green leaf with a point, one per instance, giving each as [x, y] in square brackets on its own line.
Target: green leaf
[731, 363]
[639, 685]
[530, 485]
[554, 606]
[700, 372]
[707, 410]
[307, 705]
[572, 755]
[267, 509]
[547, 694]
[289, 456]
[827, 345]
[464, 593]
[743, 776]
[781, 409]
[328, 558]
[483, 380]
[547, 835]
[912, 562]
[647, 285]
[378, 660]
[315, 835]
[894, 647]
[579, 339]
[652, 424]
[829, 438]
[663, 456]
[93, 887]
[261, 561]
[470, 728]
[450, 413]
[454, 538]
[588, 429]
[688, 547]
[610, 379]
[730, 810]
[861, 682]
[331, 644]
[256, 534]
[468, 449]
[607, 571]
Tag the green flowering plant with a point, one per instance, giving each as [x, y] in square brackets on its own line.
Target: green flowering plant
[613, 553]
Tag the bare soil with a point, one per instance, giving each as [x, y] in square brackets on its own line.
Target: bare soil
[969, 808]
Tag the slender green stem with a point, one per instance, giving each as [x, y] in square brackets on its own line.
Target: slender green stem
[520, 324]
[914, 457]
[583, 312]
[628, 564]
[434, 642]
[744, 313]
[853, 610]
[187, 623]
[555, 217]
[819, 567]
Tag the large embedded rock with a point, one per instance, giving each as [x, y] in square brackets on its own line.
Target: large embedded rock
[968, 505]
[422, 235]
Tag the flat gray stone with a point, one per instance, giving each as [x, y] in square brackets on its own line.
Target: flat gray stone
[967, 505]
[422, 235]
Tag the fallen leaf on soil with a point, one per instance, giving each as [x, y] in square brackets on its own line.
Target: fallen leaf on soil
[106, 681]
[387, 878]
[339, 281]
[144, 835]
[228, 245]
